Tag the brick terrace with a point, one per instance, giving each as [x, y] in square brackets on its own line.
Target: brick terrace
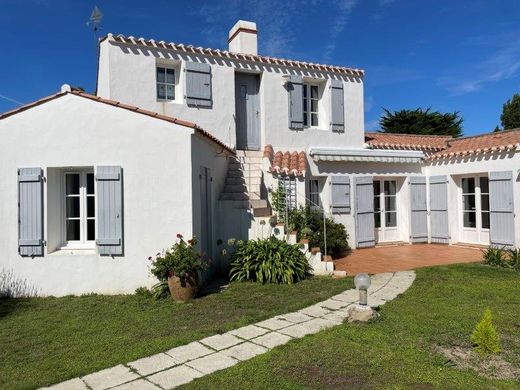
[405, 257]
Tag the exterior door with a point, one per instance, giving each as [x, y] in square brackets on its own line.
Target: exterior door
[206, 212]
[385, 210]
[475, 209]
[247, 113]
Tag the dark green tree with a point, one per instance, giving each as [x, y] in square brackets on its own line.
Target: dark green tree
[421, 121]
[511, 113]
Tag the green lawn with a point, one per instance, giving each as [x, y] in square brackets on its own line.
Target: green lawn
[49, 340]
[397, 351]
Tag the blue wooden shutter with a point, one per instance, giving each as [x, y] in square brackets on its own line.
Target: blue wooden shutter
[198, 84]
[365, 232]
[439, 210]
[501, 212]
[340, 194]
[30, 212]
[295, 87]
[338, 106]
[109, 198]
[419, 209]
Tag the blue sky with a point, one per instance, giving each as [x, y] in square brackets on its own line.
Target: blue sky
[450, 55]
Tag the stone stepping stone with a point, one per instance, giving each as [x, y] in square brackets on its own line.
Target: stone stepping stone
[175, 377]
[140, 384]
[271, 340]
[211, 363]
[109, 377]
[248, 332]
[71, 384]
[189, 351]
[154, 363]
[314, 311]
[221, 341]
[295, 317]
[244, 351]
[274, 324]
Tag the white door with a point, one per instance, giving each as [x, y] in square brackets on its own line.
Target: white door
[475, 209]
[385, 210]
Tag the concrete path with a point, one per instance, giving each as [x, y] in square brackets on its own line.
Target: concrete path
[183, 364]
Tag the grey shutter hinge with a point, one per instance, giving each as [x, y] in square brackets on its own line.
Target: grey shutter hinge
[44, 242]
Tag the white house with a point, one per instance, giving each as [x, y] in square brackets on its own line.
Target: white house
[184, 139]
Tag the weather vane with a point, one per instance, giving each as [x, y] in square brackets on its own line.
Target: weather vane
[95, 19]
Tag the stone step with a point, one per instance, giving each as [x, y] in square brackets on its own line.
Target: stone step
[259, 203]
[228, 188]
[239, 196]
[255, 181]
[262, 212]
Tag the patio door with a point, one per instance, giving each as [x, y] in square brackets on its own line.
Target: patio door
[385, 210]
[475, 209]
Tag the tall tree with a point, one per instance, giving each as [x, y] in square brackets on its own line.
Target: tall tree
[421, 121]
[511, 113]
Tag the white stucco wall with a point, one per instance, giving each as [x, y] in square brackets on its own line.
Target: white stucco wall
[131, 79]
[157, 164]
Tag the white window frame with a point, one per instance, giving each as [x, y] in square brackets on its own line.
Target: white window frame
[307, 105]
[83, 242]
[165, 68]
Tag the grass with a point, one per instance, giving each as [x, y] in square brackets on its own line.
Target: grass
[49, 340]
[397, 351]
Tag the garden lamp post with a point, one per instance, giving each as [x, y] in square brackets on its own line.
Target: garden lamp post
[362, 282]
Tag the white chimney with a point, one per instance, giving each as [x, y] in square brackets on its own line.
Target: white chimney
[243, 38]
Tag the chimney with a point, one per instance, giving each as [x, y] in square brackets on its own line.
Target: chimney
[243, 38]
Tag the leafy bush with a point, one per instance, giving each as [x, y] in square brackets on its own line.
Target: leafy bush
[484, 336]
[514, 259]
[181, 260]
[268, 261]
[495, 257]
[309, 224]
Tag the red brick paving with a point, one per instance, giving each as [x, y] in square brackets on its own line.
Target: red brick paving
[405, 257]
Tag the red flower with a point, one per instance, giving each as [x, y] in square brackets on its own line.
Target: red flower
[190, 242]
[179, 235]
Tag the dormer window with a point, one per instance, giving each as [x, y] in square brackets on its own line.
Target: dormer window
[310, 105]
[165, 78]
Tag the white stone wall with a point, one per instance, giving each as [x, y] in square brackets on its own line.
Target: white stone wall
[157, 161]
[127, 74]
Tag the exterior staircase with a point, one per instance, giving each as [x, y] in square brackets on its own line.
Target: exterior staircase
[244, 183]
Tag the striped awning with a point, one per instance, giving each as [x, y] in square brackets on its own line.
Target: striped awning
[366, 155]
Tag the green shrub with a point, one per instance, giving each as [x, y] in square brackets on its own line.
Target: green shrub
[484, 336]
[495, 257]
[181, 260]
[268, 261]
[514, 259]
[309, 224]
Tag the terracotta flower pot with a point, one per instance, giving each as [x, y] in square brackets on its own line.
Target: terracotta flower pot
[182, 290]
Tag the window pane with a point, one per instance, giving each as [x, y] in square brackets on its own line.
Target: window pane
[390, 203]
[91, 230]
[377, 203]
[160, 75]
[468, 185]
[314, 120]
[314, 105]
[314, 91]
[170, 76]
[73, 207]
[390, 219]
[305, 91]
[91, 207]
[72, 184]
[470, 219]
[90, 183]
[484, 185]
[170, 92]
[305, 119]
[377, 188]
[161, 91]
[468, 202]
[377, 220]
[73, 230]
[485, 202]
[485, 220]
[390, 187]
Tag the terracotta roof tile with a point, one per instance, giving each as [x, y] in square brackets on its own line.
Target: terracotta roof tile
[238, 56]
[407, 141]
[81, 93]
[285, 162]
[485, 143]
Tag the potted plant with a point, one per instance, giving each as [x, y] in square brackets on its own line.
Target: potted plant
[180, 266]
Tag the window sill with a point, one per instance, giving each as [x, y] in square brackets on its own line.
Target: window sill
[169, 101]
[74, 252]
